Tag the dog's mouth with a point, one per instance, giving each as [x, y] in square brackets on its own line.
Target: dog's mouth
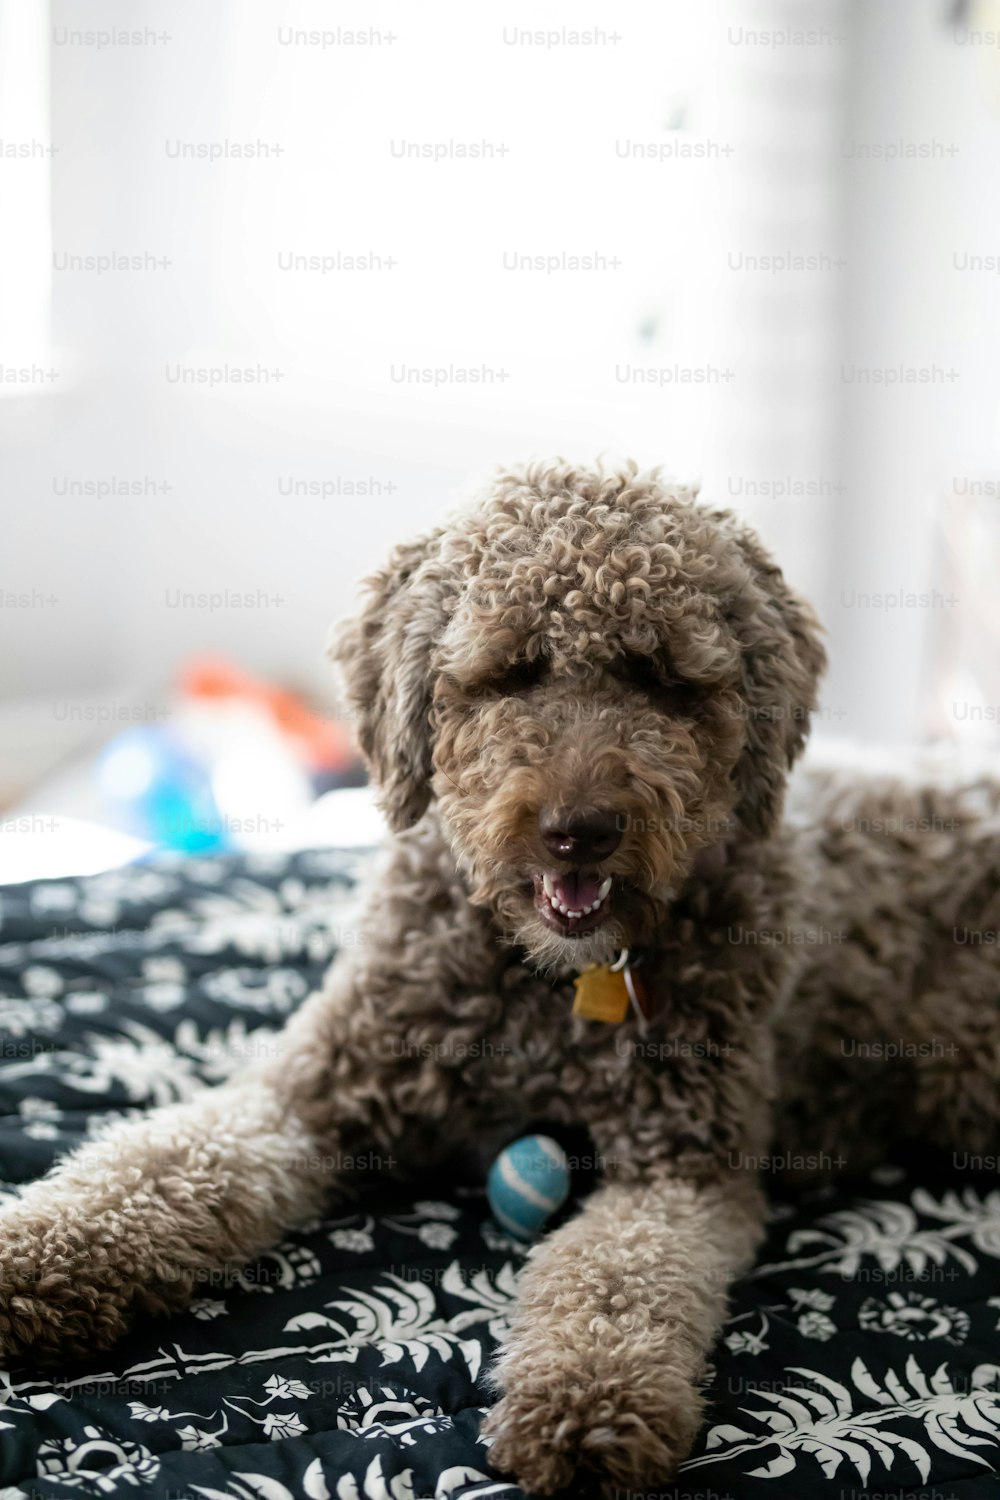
[572, 903]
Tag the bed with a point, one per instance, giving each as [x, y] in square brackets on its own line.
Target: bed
[862, 1355]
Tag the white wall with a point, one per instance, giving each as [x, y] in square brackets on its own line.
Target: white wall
[773, 180]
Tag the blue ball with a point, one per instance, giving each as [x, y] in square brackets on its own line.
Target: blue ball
[527, 1184]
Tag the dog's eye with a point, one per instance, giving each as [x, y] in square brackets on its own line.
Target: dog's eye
[638, 671]
[518, 677]
[645, 673]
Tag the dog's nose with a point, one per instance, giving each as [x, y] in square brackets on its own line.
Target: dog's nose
[580, 838]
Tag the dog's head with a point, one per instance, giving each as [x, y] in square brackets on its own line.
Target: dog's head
[595, 679]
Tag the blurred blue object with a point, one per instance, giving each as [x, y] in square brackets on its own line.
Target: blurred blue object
[158, 790]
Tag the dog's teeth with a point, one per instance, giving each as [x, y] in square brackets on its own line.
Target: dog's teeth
[548, 885]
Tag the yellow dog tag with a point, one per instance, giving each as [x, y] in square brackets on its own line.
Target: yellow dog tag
[601, 994]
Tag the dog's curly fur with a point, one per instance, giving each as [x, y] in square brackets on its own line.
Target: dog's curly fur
[581, 640]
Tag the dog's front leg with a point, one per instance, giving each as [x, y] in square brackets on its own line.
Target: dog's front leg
[157, 1209]
[615, 1316]
[142, 1217]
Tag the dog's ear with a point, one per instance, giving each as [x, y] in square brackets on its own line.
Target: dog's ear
[782, 659]
[384, 661]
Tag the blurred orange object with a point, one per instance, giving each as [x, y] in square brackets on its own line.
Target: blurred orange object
[321, 741]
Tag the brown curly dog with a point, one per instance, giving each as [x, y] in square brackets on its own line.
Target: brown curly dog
[580, 701]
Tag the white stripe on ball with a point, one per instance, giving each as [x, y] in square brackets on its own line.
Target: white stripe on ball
[513, 1179]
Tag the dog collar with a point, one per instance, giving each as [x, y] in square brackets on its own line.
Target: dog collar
[605, 992]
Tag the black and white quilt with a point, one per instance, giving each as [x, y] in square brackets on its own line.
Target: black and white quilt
[861, 1357]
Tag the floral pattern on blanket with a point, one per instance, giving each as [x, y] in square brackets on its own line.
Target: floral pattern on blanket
[862, 1353]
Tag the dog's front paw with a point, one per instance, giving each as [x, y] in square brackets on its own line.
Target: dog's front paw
[60, 1293]
[618, 1430]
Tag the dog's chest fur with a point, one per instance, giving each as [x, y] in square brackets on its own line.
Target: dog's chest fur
[498, 1041]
